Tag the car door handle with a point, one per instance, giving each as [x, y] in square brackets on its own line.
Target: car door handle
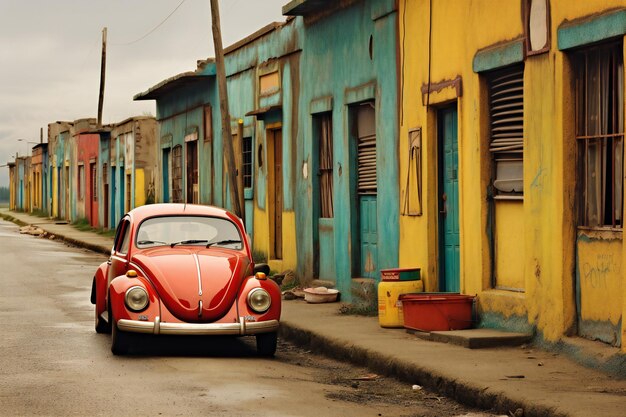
[109, 261]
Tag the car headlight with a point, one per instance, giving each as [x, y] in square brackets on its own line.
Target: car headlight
[136, 299]
[259, 300]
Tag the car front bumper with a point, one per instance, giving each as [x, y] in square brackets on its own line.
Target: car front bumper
[241, 328]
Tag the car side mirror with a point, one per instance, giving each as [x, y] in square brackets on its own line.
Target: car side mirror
[265, 268]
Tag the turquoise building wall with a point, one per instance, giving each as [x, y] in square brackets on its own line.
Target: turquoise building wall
[349, 55]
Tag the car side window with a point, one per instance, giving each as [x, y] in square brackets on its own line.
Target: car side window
[119, 234]
[126, 239]
[122, 237]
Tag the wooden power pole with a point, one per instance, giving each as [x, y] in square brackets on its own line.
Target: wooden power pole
[103, 65]
[227, 138]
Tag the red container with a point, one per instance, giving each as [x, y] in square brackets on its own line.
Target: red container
[437, 311]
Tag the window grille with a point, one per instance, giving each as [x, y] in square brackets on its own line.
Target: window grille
[177, 174]
[326, 165]
[247, 162]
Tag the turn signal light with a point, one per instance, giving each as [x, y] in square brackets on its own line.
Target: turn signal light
[131, 273]
[260, 276]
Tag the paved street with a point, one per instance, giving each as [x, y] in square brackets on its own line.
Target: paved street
[53, 363]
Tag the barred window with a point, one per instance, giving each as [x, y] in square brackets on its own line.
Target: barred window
[599, 73]
[177, 174]
[247, 162]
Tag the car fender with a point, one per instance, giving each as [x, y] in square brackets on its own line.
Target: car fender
[271, 287]
[98, 288]
[117, 292]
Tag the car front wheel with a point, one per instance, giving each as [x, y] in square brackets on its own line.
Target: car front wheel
[266, 343]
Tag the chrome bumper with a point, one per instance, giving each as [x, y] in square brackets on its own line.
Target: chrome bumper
[242, 328]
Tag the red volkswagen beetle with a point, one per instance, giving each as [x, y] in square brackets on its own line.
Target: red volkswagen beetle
[180, 269]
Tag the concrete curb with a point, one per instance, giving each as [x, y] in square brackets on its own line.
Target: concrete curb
[82, 244]
[460, 391]
[69, 240]
[13, 220]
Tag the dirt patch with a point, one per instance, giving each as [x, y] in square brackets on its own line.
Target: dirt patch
[359, 385]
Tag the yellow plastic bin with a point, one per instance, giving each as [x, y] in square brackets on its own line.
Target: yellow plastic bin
[390, 312]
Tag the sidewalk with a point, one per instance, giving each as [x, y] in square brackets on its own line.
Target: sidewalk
[541, 383]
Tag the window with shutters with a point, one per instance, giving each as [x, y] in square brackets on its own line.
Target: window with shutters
[177, 174]
[366, 149]
[599, 73]
[506, 111]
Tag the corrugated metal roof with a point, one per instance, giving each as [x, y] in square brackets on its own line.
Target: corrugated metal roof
[305, 7]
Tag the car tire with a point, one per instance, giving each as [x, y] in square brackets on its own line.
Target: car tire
[266, 343]
[120, 340]
[101, 325]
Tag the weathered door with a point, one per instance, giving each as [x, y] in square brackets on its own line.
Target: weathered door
[192, 172]
[122, 193]
[449, 246]
[276, 195]
[166, 175]
[105, 195]
[113, 195]
[367, 189]
[93, 205]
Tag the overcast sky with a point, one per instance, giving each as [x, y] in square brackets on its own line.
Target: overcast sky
[51, 50]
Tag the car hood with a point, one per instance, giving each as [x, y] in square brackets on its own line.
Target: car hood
[195, 285]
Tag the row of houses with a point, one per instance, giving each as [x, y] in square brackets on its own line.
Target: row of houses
[482, 143]
[87, 173]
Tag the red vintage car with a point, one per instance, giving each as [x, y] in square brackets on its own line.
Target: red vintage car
[181, 269]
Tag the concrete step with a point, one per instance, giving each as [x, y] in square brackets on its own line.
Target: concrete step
[475, 338]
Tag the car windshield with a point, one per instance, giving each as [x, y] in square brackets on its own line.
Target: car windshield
[188, 230]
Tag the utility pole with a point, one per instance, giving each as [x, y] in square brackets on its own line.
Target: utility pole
[227, 138]
[103, 65]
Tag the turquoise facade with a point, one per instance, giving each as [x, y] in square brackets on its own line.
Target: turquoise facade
[349, 57]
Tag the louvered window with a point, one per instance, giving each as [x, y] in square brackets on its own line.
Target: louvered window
[366, 151]
[506, 111]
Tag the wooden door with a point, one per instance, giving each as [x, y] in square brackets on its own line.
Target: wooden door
[449, 242]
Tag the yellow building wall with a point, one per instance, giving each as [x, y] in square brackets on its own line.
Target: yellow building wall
[140, 188]
[509, 245]
[544, 255]
[261, 241]
[599, 266]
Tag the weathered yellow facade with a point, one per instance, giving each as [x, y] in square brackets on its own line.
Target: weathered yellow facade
[536, 280]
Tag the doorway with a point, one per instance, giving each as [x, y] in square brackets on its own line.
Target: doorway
[275, 192]
[449, 242]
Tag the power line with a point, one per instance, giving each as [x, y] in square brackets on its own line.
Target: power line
[153, 29]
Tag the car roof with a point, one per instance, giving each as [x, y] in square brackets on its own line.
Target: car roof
[174, 209]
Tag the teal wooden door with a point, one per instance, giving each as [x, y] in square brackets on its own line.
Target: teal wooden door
[369, 236]
[449, 257]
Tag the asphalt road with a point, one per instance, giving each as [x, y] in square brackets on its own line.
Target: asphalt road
[53, 363]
